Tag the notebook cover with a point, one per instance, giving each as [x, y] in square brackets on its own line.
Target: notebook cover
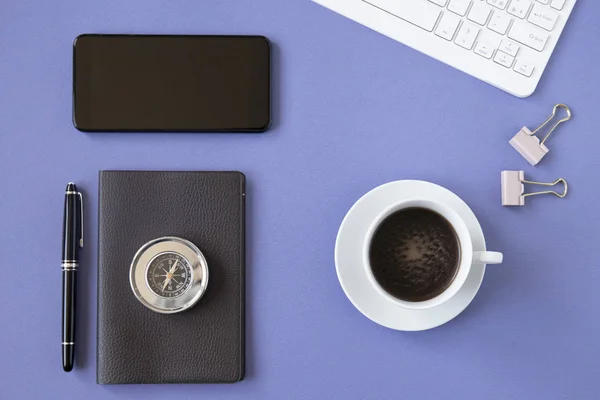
[204, 343]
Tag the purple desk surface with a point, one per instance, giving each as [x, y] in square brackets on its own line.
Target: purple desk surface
[352, 110]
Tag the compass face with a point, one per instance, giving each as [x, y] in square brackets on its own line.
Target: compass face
[169, 275]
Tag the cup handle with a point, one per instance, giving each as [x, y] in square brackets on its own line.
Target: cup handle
[487, 257]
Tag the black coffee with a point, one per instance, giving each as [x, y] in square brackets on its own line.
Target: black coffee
[414, 254]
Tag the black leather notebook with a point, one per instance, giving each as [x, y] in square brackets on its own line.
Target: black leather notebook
[204, 343]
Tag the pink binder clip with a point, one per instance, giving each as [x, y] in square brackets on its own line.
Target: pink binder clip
[513, 188]
[529, 145]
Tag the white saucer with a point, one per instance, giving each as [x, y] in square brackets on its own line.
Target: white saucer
[353, 276]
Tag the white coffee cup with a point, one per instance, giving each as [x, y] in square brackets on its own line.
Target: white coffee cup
[468, 257]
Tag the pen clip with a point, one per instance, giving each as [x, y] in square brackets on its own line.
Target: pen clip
[81, 219]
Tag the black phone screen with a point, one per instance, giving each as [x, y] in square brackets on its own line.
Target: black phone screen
[171, 83]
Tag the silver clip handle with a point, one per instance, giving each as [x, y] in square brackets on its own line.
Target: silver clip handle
[560, 121]
[556, 182]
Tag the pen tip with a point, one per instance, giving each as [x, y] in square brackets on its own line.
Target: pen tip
[71, 187]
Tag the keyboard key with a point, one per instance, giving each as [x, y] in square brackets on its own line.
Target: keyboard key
[510, 48]
[501, 4]
[558, 4]
[459, 6]
[447, 26]
[467, 35]
[484, 49]
[423, 15]
[479, 13]
[504, 59]
[439, 2]
[519, 8]
[543, 17]
[499, 22]
[528, 35]
[543, 1]
[524, 68]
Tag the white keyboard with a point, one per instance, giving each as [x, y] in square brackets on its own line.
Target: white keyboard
[506, 43]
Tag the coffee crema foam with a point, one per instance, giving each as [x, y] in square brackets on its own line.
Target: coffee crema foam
[414, 254]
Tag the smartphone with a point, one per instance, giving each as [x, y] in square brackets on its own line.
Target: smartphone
[171, 83]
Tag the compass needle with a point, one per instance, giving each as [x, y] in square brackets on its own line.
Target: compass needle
[174, 267]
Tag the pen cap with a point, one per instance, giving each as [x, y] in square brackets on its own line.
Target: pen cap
[72, 225]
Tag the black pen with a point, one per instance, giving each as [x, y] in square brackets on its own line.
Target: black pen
[72, 242]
